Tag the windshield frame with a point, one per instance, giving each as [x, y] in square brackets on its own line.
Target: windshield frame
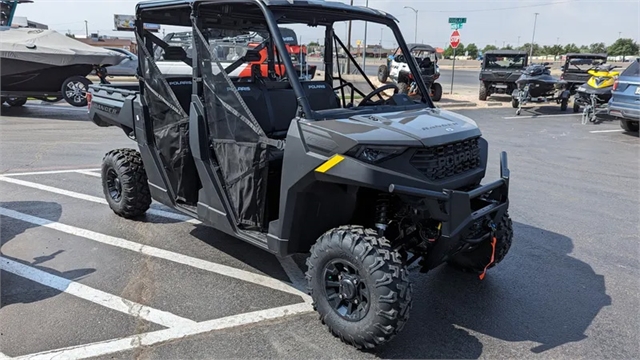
[310, 13]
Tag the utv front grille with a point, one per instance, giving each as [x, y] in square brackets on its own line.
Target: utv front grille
[444, 161]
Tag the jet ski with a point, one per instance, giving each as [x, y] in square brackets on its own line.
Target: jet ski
[595, 94]
[537, 85]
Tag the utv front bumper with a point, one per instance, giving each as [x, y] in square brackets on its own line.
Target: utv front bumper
[467, 217]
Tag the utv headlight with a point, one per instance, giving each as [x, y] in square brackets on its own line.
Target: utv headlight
[374, 154]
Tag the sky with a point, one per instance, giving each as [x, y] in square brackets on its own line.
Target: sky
[488, 21]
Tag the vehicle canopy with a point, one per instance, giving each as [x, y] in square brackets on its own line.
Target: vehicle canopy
[243, 141]
[505, 59]
[579, 62]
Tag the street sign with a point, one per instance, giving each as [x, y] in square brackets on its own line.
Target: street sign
[454, 40]
[457, 20]
[456, 26]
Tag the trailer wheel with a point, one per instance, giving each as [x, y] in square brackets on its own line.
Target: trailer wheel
[359, 286]
[514, 103]
[482, 96]
[16, 101]
[475, 259]
[124, 183]
[383, 73]
[74, 90]
[437, 92]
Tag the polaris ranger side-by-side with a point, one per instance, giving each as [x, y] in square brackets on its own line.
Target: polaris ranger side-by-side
[499, 72]
[297, 166]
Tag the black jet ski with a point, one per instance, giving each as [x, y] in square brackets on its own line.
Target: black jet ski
[536, 84]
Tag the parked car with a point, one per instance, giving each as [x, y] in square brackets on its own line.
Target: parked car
[127, 67]
[625, 99]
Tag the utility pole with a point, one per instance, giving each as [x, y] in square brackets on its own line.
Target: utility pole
[533, 36]
[348, 45]
[364, 45]
[415, 35]
[86, 28]
[381, 30]
[518, 41]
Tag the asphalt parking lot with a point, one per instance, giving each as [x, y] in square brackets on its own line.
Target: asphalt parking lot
[79, 282]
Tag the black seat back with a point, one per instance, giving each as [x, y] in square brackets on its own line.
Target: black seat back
[320, 95]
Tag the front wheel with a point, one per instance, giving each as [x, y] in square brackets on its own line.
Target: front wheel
[514, 103]
[359, 286]
[483, 92]
[477, 258]
[383, 73]
[437, 92]
[124, 183]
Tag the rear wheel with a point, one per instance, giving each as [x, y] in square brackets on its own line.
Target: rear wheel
[475, 259]
[359, 286]
[124, 183]
[437, 92]
[564, 103]
[514, 103]
[482, 95]
[16, 102]
[74, 90]
[630, 126]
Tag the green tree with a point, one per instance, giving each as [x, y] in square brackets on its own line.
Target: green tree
[584, 49]
[508, 47]
[546, 50]
[623, 47]
[556, 50]
[536, 49]
[571, 48]
[598, 48]
[473, 50]
[448, 52]
[313, 44]
[489, 48]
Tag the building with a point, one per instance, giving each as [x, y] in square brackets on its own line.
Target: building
[108, 41]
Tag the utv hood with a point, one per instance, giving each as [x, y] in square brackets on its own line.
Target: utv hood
[427, 127]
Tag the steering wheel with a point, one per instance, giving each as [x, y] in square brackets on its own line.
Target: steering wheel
[378, 91]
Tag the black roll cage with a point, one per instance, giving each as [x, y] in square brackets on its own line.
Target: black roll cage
[312, 11]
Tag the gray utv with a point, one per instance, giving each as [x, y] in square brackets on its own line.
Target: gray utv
[499, 72]
[297, 166]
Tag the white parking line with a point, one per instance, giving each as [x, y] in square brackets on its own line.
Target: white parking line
[160, 336]
[537, 116]
[102, 298]
[47, 172]
[292, 270]
[88, 172]
[606, 131]
[158, 253]
[162, 213]
[56, 107]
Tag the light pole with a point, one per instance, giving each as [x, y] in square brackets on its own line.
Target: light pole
[533, 36]
[518, 41]
[86, 28]
[364, 44]
[381, 30]
[415, 36]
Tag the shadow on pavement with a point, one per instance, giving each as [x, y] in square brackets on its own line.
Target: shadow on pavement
[539, 294]
[16, 289]
[253, 256]
[35, 110]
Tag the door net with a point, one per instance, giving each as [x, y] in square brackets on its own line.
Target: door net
[238, 142]
[170, 129]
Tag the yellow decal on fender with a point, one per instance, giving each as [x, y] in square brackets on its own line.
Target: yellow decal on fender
[333, 161]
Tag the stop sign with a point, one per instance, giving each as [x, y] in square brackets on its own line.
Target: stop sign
[454, 41]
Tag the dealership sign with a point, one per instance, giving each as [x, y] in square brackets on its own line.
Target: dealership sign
[128, 23]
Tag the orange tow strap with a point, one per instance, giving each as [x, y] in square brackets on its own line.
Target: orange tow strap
[493, 252]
